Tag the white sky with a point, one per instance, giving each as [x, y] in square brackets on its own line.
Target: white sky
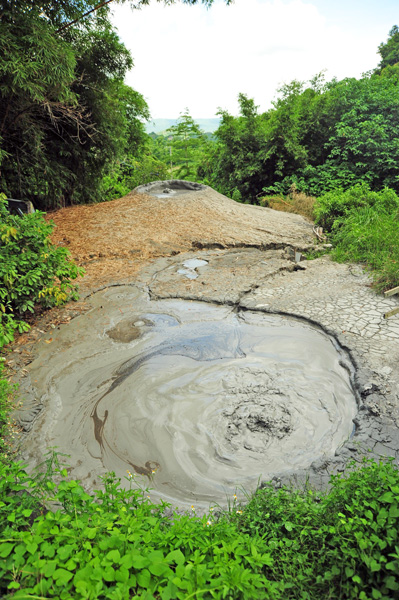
[190, 56]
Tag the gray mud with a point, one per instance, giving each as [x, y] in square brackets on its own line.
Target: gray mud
[169, 188]
[284, 372]
[196, 400]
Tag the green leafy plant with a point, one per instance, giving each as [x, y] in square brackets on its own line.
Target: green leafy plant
[32, 270]
[364, 228]
[7, 396]
[336, 205]
[131, 173]
[115, 543]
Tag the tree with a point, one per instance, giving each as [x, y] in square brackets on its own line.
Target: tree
[186, 141]
[236, 166]
[65, 113]
[389, 51]
[66, 117]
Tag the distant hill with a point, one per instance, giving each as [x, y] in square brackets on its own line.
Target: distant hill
[159, 125]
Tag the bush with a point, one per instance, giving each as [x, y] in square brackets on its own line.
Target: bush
[115, 543]
[340, 544]
[336, 205]
[32, 270]
[364, 228]
[370, 235]
[128, 175]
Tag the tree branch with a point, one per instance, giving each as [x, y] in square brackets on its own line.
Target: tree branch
[67, 25]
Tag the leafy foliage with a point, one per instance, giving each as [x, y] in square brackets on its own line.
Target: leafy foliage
[116, 544]
[32, 270]
[7, 396]
[342, 544]
[187, 144]
[337, 205]
[132, 173]
[389, 51]
[236, 165]
[364, 228]
[318, 136]
[65, 114]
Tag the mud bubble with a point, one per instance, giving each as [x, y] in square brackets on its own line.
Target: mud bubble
[203, 400]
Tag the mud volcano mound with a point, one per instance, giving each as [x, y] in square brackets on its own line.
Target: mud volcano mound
[169, 188]
[194, 399]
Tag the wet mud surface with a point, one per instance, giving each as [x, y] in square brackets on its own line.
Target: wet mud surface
[255, 368]
[193, 398]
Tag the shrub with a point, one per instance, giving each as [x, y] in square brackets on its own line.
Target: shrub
[340, 544]
[115, 543]
[336, 205]
[32, 270]
[370, 235]
[128, 175]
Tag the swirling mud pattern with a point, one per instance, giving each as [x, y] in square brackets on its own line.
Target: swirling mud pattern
[201, 401]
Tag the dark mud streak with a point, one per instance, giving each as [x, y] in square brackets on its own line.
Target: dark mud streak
[196, 351]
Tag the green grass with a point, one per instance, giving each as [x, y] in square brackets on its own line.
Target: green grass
[370, 236]
[364, 228]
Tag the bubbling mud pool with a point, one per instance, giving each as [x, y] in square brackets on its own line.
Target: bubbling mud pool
[195, 400]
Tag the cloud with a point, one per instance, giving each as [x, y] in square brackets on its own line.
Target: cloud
[188, 56]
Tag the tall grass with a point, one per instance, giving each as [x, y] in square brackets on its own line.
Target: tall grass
[370, 236]
[295, 202]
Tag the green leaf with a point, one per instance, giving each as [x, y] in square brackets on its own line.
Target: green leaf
[14, 585]
[5, 549]
[62, 576]
[113, 556]
[139, 561]
[391, 583]
[109, 574]
[144, 578]
[176, 556]
[387, 497]
[375, 566]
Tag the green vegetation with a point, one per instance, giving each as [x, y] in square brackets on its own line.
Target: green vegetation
[66, 116]
[116, 544]
[32, 270]
[131, 173]
[320, 137]
[364, 228]
[8, 393]
[71, 131]
[182, 148]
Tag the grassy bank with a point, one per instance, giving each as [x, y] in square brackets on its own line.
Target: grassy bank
[362, 225]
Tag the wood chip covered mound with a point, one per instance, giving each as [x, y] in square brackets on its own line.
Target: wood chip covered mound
[112, 240]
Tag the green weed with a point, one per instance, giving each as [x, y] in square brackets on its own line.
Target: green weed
[32, 270]
[364, 228]
[115, 543]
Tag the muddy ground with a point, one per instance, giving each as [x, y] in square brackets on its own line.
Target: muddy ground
[138, 251]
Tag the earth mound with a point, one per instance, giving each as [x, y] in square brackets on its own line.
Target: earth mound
[122, 234]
